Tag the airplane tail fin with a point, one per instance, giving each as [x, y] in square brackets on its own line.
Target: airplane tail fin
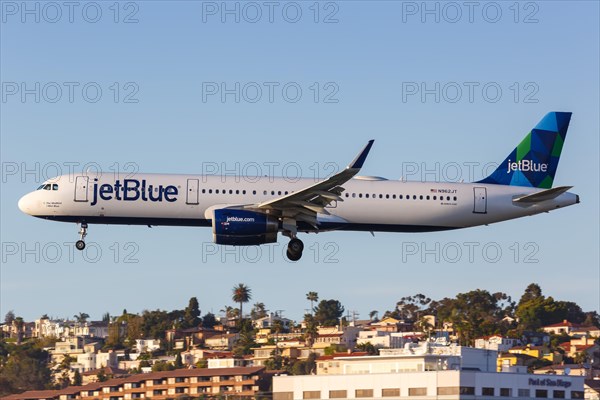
[534, 161]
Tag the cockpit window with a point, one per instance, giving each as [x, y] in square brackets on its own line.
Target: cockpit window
[40, 187]
[47, 186]
[55, 186]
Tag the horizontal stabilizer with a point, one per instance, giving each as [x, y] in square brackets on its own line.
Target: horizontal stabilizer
[542, 196]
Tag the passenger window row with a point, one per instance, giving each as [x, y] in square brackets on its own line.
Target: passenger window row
[400, 197]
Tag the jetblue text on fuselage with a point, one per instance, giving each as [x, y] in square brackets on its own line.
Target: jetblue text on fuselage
[526, 166]
[133, 190]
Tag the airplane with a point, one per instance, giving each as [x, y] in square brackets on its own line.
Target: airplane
[245, 212]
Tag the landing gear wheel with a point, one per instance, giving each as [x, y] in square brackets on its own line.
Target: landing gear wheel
[295, 245]
[294, 250]
[80, 244]
[293, 256]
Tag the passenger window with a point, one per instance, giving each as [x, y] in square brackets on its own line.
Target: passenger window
[203, 191]
[210, 191]
[55, 186]
[254, 192]
[393, 196]
[427, 197]
[435, 197]
[217, 191]
[454, 198]
[387, 196]
[367, 195]
[414, 196]
[265, 192]
[353, 195]
[381, 196]
[360, 195]
[400, 196]
[230, 191]
[421, 197]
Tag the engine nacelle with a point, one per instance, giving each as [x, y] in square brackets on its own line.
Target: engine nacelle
[243, 227]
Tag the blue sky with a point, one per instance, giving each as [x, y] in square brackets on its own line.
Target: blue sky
[361, 70]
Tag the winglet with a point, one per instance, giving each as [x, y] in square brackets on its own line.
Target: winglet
[358, 162]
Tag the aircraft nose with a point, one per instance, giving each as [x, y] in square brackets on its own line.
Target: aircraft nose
[25, 204]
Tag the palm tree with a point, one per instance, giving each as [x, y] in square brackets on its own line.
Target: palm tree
[19, 324]
[312, 297]
[81, 317]
[241, 294]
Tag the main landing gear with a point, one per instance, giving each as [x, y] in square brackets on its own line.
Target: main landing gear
[294, 250]
[80, 244]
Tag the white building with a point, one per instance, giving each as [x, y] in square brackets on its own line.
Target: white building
[425, 372]
[496, 342]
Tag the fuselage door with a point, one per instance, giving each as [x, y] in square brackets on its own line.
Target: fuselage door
[81, 188]
[480, 205]
[192, 191]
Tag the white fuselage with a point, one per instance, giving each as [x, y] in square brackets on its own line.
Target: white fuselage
[370, 204]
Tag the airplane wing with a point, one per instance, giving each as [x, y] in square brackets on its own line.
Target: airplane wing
[548, 194]
[304, 204]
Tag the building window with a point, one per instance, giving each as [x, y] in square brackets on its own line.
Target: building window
[558, 394]
[417, 391]
[469, 390]
[576, 394]
[283, 396]
[505, 392]
[363, 393]
[541, 393]
[487, 391]
[449, 390]
[390, 392]
[311, 394]
[338, 394]
[523, 393]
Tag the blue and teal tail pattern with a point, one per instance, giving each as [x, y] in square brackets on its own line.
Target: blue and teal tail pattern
[534, 161]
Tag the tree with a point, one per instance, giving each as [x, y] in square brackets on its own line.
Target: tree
[312, 297]
[374, 315]
[81, 317]
[368, 347]
[77, 379]
[191, 316]
[311, 329]
[329, 312]
[106, 317]
[209, 320]
[532, 291]
[9, 317]
[25, 369]
[241, 294]
[178, 361]
[258, 311]
[19, 325]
